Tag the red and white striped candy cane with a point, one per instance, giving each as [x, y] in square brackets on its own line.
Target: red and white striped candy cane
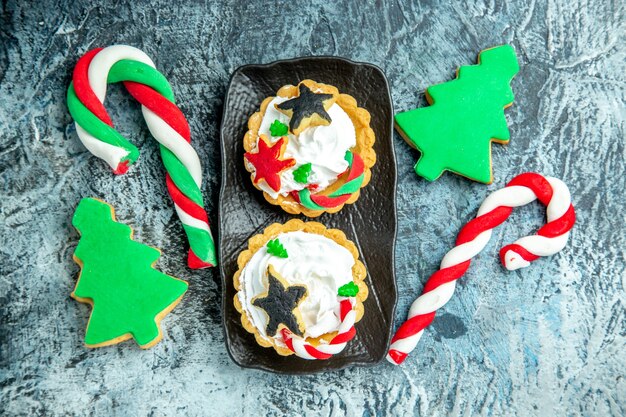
[345, 333]
[550, 239]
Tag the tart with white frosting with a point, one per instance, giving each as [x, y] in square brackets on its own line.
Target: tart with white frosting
[300, 288]
[309, 148]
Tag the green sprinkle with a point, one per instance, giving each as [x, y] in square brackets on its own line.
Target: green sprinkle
[348, 290]
[301, 174]
[278, 129]
[274, 247]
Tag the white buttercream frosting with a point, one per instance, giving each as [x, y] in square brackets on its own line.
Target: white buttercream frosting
[315, 261]
[322, 146]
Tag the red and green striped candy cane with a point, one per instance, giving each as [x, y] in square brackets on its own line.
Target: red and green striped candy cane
[85, 97]
[353, 183]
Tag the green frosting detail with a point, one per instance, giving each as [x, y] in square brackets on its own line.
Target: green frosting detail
[202, 243]
[455, 132]
[128, 70]
[181, 176]
[301, 174]
[128, 295]
[348, 290]
[349, 187]
[278, 129]
[305, 200]
[96, 127]
[349, 157]
[274, 247]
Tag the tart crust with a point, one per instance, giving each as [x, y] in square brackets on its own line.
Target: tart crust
[365, 139]
[272, 231]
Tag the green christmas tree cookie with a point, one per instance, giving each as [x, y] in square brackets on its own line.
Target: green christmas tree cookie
[129, 297]
[465, 115]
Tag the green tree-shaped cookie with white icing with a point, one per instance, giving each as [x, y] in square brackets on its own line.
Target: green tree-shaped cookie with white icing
[129, 297]
[465, 115]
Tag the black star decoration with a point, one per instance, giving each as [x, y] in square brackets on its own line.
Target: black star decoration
[280, 302]
[308, 109]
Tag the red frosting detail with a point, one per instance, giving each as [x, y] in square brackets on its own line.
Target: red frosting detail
[122, 168]
[196, 263]
[481, 223]
[537, 183]
[397, 356]
[345, 306]
[344, 337]
[267, 162]
[287, 339]
[184, 202]
[445, 275]
[357, 167]
[520, 250]
[164, 108]
[553, 229]
[316, 353]
[413, 326]
[295, 196]
[559, 226]
[328, 202]
[83, 89]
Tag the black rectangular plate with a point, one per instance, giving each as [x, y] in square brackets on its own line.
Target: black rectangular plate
[370, 222]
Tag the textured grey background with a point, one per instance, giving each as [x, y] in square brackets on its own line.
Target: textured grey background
[546, 340]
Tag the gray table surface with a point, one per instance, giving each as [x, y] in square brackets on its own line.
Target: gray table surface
[546, 340]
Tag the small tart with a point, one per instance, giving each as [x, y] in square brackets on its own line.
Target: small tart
[333, 159]
[311, 261]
